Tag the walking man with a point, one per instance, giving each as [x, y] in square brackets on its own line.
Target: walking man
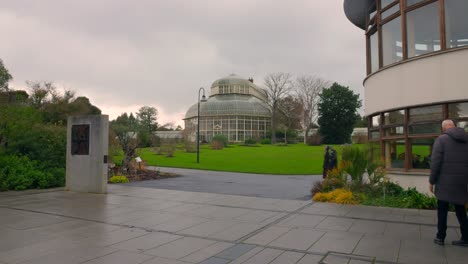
[449, 175]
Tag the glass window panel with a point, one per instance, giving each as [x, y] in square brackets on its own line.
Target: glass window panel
[395, 154]
[421, 150]
[374, 52]
[375, 150]
[384, 3]
[395, 117]
[375, 134]
[423, 30]
[459, 110]
[426, 113]
[375, 121]
[392, 10]
[240, 124]
[412, 2]
[428, 128]
[394, 131]
[391, 41]
[456, 23]
[463, 124]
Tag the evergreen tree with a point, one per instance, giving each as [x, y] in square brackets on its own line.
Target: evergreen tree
[337, 114]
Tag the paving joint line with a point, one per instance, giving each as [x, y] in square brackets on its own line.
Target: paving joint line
[253, 233]
[378, 220]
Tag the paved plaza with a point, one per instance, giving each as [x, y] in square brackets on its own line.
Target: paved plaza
[291, 187]
[158, 226]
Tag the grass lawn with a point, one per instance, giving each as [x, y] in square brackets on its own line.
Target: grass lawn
[265, 159]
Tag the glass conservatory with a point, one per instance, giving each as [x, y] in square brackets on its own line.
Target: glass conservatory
[236, 108]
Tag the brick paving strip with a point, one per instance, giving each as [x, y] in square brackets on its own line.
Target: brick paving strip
[140, 225]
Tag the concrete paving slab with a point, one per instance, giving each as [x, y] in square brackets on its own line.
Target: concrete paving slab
[300, 220]
[299, 239]
[120, 257]
[382, 247]
[310, 259]
[180, 223]
[72, 256]
[336, 241]
[421, 251]
[247, 255]
[368, 227]
[335, 223]
[288, 257]
[266, 236]
[264, 257]
[146, 242]
[403, 231]
[180, 248]
[236, 231]
[207, 228]
[215, 260]
[207, 252]
[158, 260]
[236, 251]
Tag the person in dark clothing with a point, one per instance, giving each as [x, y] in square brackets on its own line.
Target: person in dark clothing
[333, 159]
[449, 175]
[326, 162]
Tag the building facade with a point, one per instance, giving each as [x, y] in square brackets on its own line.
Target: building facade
[417, 61]
[236, 108]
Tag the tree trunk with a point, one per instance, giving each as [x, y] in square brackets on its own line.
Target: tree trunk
[273, 127]
[305, 134]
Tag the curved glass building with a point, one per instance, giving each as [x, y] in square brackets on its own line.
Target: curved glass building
[417, 61]
[236, 108]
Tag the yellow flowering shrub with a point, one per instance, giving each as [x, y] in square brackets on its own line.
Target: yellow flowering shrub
[341, 196]
[118, 179]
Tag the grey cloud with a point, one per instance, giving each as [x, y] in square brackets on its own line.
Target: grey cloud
[159, 52]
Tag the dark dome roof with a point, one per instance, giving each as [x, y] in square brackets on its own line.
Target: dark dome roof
[230, 104]
[357, 10]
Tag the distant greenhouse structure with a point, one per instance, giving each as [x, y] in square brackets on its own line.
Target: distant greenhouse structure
[236, 108]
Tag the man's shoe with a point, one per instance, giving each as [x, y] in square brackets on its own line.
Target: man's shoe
[460, 242]
[439, 241]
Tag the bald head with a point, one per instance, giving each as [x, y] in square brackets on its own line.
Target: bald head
[447, 124]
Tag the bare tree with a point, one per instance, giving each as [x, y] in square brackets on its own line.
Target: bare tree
[278, 86]
[290, 109]
[308, 89]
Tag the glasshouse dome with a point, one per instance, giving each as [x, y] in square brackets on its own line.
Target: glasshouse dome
[236, 108]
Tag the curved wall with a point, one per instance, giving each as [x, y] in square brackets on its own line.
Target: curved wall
[435, 78]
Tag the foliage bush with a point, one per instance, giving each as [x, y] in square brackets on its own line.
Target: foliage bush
[266, 141]
[217, 145]
[314, 140]
[250, 141]
[221, 138]
[21, 173]
[118, 179]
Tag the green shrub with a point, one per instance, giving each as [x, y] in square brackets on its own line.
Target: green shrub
[20, 173]
[118, 179]
[265, 141]
[250, 141]
[221, 138]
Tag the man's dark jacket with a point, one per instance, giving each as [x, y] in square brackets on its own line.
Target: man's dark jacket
[449, 166]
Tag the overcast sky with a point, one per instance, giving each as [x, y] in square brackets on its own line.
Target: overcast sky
[124, 54]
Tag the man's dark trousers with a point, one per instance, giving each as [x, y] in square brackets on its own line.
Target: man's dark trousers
[442, 211]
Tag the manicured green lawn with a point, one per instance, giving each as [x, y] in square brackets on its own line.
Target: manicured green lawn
[265, 159]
